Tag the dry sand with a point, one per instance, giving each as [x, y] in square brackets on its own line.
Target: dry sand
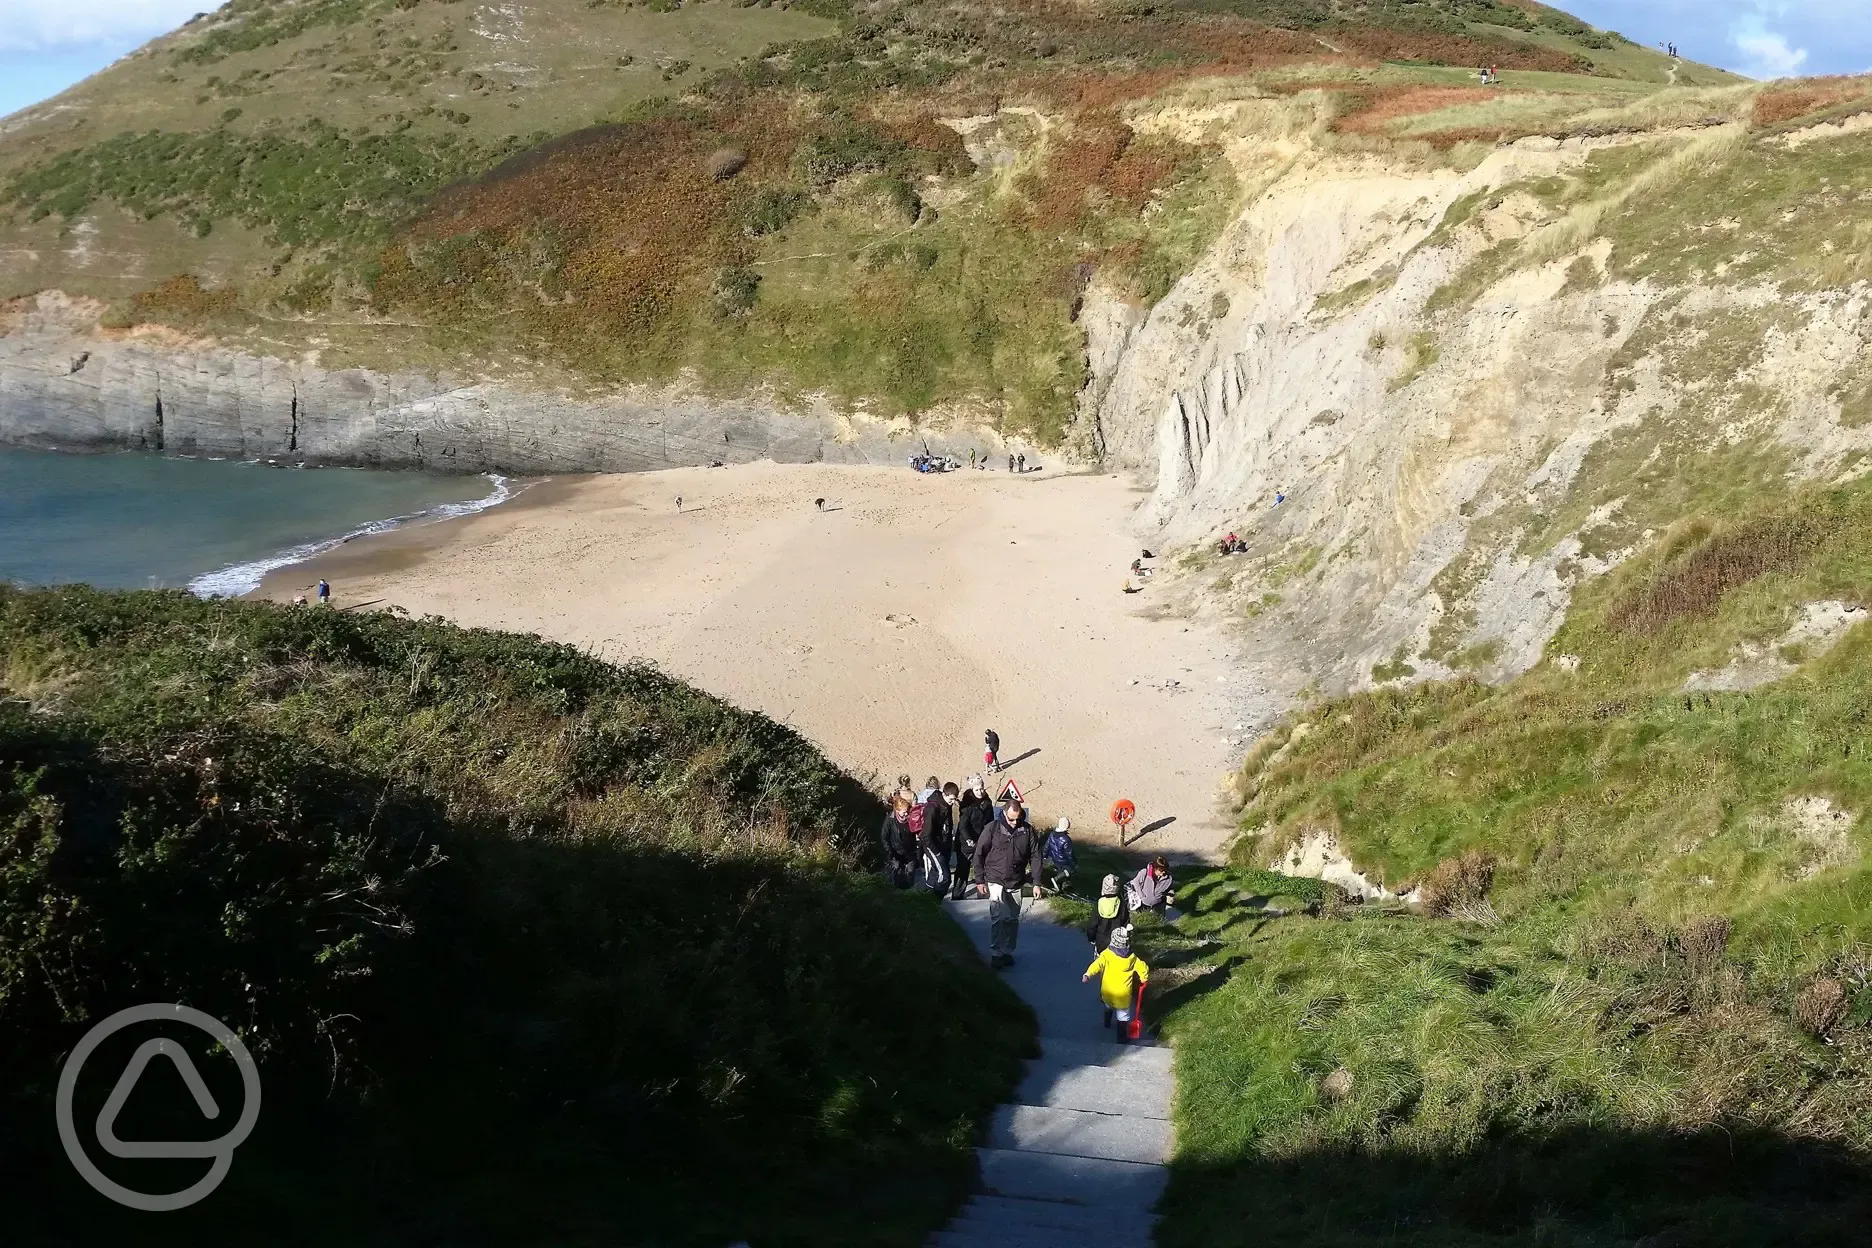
[891, 629]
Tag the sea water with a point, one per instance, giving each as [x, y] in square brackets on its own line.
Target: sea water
[135, 521]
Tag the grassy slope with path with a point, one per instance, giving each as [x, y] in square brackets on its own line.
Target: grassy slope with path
[530, 948]
[1645, 1014]
[273, 174]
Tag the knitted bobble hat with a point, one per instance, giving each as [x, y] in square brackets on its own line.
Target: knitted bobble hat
[1121, 940]
[1110, 887]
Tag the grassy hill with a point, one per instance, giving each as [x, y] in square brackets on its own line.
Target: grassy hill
[1633, 1001]
[583, 193]
[530, 949]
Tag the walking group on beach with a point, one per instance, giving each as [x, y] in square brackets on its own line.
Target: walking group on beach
[956, 841]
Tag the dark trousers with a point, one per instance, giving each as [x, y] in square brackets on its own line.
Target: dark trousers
[958, 888]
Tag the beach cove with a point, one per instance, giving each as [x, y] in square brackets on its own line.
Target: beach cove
[891, 627]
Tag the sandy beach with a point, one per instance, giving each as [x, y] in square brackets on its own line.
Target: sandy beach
[890, 628]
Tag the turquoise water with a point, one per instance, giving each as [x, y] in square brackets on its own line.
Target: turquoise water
[216, 526]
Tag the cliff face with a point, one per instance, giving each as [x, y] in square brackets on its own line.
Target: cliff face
[66, 384]
[1434, 401]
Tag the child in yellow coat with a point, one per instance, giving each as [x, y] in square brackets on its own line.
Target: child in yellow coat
[1120, 972]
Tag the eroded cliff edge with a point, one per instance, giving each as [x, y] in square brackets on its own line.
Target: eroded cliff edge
[67, 383]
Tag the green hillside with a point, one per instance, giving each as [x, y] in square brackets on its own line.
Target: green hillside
[530, 949]
[584, 193]
[1633, 1001]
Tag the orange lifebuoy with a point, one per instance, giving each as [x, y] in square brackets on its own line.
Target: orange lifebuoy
[1123, 812]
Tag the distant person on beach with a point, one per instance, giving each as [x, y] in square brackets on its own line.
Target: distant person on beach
[1003, 863]
[679, 504]
[974, 812]
[1010, 463]
[899, 842]
[819, 503]
[971, 457]
[1150, 888]
[991, 750]
[1022, 461]
[324, 592]
[1121, 973]
[1109, 913]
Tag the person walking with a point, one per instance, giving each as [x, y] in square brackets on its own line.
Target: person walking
[1120, 973]
[1057, 856]
[935, 837]
[1150, 888]
[1003, 863]
[1109, 913]
[974, 813]
[991, 750]
[1010, 463]
[324, 592]
[899, 842]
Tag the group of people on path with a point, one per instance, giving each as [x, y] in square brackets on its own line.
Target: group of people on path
[956, 841]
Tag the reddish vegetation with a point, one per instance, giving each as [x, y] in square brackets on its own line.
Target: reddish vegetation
[1382, 44]
[180, 300]
[1781, 104]
[1102, 152]
[1369, 109]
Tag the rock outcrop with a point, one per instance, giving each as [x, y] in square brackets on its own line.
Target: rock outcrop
[68, 384]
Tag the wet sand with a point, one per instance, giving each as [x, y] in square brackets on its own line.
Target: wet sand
[891, 628]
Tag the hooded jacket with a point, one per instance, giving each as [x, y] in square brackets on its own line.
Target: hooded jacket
[977, 814]
[1004, 855]
[1107, 913]
[1117, 973]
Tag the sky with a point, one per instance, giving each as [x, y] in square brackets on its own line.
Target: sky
[47, 45]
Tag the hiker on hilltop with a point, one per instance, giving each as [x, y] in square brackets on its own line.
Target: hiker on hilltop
[1057, 857]
[899, 842]
[974, 812]
[1109, 913]
[1003, 863]
[1150, 888]
[1121, 973]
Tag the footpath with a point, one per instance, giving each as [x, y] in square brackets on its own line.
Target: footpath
[1079, 1157]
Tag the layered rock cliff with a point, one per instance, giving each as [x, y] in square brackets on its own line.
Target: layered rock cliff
[67, 383]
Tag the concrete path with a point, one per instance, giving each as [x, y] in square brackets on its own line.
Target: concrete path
[1077, 1160]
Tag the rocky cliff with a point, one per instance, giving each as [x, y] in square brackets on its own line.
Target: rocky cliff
[1435, 396]
[67, 383]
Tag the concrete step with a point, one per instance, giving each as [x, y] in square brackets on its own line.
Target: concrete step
[1006, 1214]
[1091, 1181]
[1097, 1089]
[1071, 1051]
[1080, 1133]
[988, 1237]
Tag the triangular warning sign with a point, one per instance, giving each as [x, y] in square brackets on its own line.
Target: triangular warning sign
[1012, 791]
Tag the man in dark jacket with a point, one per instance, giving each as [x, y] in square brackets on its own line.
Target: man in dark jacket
[1003, 863]
[938, 827]
[974, 816]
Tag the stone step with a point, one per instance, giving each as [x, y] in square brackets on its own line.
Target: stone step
[1007, 1213]
[990, 1237]
[1090, 1181]
[1080, 1133]
[1106, 1053]
[1138, 1093]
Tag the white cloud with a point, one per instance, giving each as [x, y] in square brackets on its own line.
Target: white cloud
[44, 25]
[1767, 53]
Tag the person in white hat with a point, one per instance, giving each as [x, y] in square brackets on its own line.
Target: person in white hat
[1057, 856]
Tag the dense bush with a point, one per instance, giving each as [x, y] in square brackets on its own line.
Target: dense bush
[543, 946]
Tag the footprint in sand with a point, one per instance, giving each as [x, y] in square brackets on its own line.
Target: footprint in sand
[900, 621]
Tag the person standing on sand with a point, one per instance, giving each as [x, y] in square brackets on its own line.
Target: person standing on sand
[1022, 461]
[974, 813]
[1010, 463]
[971, 457]
[324, 592]
[991, 750]
[1003, 863]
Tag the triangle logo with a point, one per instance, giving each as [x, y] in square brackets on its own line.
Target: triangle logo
[126, 1083]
